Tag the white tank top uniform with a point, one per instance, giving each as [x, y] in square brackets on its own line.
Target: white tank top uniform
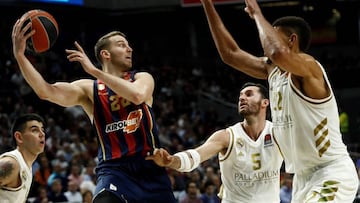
[250, 170]
[19, 194]
[308, 134]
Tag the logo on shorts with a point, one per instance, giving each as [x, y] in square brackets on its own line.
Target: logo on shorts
[113, 187]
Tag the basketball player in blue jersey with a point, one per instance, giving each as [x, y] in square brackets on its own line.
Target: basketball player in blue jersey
[249, 159]
[303, 106]
[118, 104]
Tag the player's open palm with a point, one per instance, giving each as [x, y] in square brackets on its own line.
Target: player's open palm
[80, 56]
[161, 157]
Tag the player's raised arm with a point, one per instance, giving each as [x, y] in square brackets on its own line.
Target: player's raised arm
[229, 50]
[64, 94]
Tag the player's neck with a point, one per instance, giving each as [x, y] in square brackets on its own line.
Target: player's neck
[29, 157]
[253, 128]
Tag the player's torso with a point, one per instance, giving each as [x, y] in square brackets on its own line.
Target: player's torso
[251, 167]
[123, 128]
[305, 129]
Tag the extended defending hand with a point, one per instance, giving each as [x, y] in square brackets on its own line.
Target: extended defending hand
[161, 157]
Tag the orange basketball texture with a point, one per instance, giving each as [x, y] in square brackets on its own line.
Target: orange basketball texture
[46, 30]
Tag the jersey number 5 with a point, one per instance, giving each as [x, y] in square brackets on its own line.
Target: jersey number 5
[256, 161]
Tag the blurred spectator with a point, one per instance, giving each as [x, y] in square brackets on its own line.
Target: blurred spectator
[41, 175]
[44, 171]
[52, 128]
[75, 174]
[209, 173]
[286, 188]
[88, 172]
[73, 194]
[87, 196]
[192, 193]
[177, 182]
[193, 176]
[57, 174]
[76, 145]
[210, 194]
[87, 185]
[56, 193]
[67, 152]
[61, 162]
[41, 195]
[19, 81]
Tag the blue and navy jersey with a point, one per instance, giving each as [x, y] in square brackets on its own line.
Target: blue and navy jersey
[123, 128]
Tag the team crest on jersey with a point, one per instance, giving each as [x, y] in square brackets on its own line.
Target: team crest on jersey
[23, 175]
[101, 87]
[268, 140]
[240, 142]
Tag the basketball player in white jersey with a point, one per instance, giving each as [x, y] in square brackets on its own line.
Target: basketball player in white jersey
[16, 165]
[303, 106]
[250, 161]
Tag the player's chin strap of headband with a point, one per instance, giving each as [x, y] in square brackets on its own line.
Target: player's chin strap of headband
[186, 165]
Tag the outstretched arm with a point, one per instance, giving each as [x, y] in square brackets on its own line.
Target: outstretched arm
[229, 50]
[217, 142]
[61, 93]
[284, 52]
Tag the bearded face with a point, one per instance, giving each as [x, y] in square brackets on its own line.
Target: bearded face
[249, 101]
[249, 108]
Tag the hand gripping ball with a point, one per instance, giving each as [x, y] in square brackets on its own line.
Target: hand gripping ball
[46, 30]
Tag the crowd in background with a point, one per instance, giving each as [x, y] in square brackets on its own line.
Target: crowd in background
[65, 171]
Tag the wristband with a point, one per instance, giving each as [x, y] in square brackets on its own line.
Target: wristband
[185, 160]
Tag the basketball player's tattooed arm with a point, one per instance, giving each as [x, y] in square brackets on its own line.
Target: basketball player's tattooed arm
[7, 169]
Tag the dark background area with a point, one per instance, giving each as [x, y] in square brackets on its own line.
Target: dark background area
[166, 33]
[195, 92]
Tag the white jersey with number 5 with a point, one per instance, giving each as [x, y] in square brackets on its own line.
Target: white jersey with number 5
[250, 170]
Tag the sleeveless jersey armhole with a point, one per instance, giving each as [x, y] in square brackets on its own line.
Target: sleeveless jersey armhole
[230, 147]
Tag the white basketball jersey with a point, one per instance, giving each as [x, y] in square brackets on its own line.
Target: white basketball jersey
[19, 194]
[250, 170]
[306, 129]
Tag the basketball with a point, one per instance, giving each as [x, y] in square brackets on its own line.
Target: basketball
[46, 30]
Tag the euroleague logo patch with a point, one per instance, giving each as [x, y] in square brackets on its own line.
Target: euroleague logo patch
[268, 140]
[131, 124]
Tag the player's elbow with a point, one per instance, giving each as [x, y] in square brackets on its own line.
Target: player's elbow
[42, 94]
[227, 56]
[46, 93]
[138, 98]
